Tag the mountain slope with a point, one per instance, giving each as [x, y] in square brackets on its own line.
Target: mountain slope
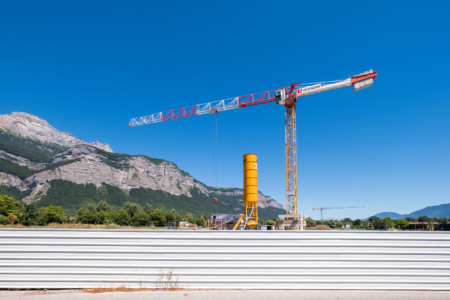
[392, 215]
[436, 211]
[44, 166]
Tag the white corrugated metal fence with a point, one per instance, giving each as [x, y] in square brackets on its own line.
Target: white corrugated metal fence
[57, 259]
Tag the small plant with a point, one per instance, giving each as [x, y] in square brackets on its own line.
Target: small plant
[167, 281]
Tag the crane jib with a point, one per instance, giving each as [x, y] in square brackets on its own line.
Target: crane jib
[359, 81]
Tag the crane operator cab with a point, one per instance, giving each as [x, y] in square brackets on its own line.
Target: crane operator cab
[280, 96]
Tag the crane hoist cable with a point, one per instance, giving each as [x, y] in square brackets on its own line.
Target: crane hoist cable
[215, 150]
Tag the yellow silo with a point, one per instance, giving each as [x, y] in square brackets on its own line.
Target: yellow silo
[251, 191]
[250, 179]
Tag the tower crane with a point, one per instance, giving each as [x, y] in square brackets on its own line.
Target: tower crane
[324, 208]
[287, 97]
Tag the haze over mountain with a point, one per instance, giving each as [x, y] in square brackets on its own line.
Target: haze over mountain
[41, 165]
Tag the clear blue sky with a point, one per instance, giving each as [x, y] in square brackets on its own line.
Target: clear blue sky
[87, 67]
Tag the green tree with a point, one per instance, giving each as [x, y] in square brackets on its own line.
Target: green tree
[271, 222]
[375, 222]
[53, 214]
[148, 208]
[338, 224]
[357, 223]
[190, 218]
[171, 216]
[103, 217]
[366, 225]
[103, 206]
[30, 215]
[373, 219]
[131, 208]
[103, 192]
[4, 220]
[121, 217]
[85, 216]
[158, 218]
[181, 218]
[430, 225]
[443, 220]
[141, 218]
[8, 205]
[347, 221]
[12, 218]
[200, 222]
[401, 224]
[310, 222]
[388, 223]
[423, 219]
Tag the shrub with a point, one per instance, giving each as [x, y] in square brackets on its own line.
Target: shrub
[271, 222]
[103, 217]
[4, 220]
[103, 206]
[148, 208]
[171, 216]
[402, 224]
[121, 217]
[131, 208]
[30, 215]
[53, 214]
[8, 205]
[200, 222]
[12, 218]
[141, 218]
[85, 216]
[158, 218]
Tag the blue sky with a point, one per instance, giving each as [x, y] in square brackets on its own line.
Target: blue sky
[87, 67]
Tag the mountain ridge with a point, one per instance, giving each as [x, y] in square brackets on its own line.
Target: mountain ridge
[31, 126]
[35, 162]
[433, 211]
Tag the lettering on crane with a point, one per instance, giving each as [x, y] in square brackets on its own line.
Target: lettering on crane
[308, 88]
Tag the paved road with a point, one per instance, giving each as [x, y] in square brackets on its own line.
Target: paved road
[228, 294]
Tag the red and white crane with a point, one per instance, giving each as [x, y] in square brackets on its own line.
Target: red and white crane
[286, 96]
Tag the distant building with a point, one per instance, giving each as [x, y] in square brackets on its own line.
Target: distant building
[222, 221]
[224, 217]
[422, 226]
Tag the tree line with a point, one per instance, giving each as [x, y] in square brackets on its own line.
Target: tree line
[133, 214]
[129, 214]
[373, 222]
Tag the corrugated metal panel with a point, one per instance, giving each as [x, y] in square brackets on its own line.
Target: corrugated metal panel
[214, 259]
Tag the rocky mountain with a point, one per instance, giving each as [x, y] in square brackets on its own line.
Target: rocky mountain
[39, 164]
[435, 211]
[27, 125]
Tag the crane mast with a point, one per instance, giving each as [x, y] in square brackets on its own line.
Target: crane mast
[286, 96]
[290, 136]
